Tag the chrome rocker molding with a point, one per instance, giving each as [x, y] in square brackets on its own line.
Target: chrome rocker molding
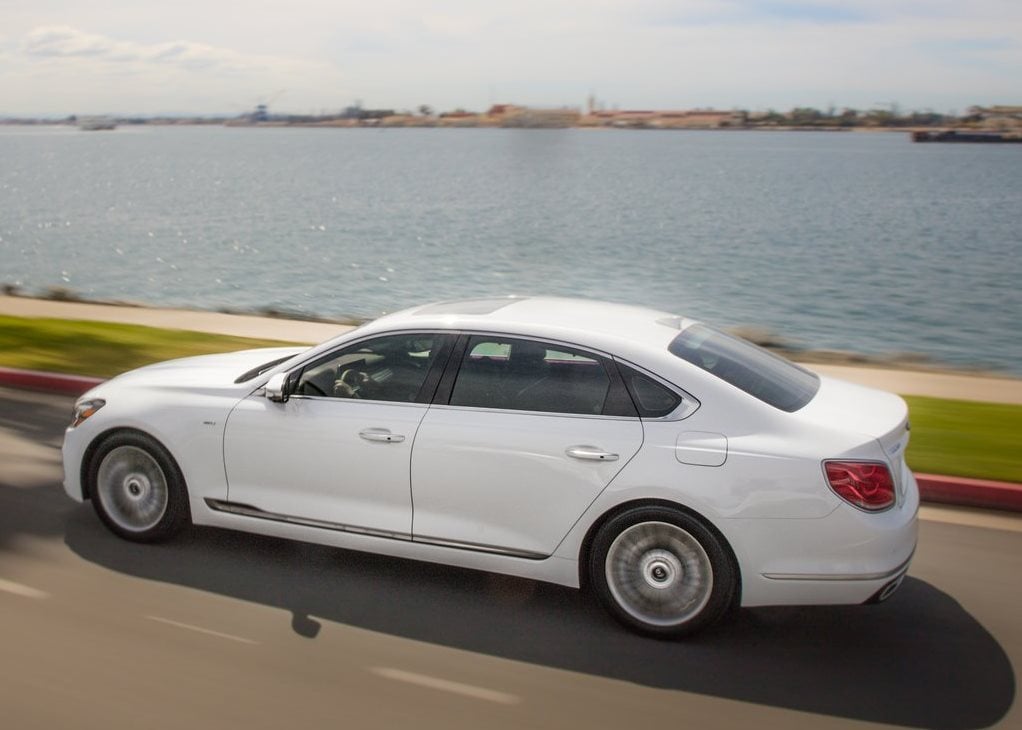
[244, 510]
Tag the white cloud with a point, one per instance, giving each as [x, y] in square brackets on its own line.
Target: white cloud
[67, 42]
[203, 56]
[71, 70]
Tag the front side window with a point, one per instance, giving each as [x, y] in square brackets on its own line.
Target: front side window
[516, 374]
[390, 368]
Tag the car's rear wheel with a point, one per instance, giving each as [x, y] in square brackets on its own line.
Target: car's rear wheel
[136, 488]
[661, 571]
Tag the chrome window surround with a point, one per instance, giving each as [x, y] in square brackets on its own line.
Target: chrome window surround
[689, 404]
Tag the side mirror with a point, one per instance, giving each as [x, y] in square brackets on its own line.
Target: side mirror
[276, 388]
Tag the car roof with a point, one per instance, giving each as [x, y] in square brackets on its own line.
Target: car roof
[598, 323]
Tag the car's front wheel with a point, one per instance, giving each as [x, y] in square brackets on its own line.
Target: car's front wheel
[661, 571]
[137, 489]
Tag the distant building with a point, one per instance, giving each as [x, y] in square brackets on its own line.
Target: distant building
[535, 117]
[461, 118]
[623, 118]
[357, 113]
[706, 118]
[95, 124]
[682, 119]
[458, 114]
[997, 117]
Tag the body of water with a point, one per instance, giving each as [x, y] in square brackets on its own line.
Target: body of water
[854, 241]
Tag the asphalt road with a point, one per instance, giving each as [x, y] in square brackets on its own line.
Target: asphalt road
[222, 629]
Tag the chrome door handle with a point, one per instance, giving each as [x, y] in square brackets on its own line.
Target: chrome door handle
[590, 453]
[382, 435]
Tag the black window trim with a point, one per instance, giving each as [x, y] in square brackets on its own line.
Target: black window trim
[442, 395]
[442, 398]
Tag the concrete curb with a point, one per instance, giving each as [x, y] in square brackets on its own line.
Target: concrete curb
[50, 382]
[966, 492]
[959, 491]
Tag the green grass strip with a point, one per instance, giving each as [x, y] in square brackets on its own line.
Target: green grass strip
[104, 349]
[952, 437]
[965, 438]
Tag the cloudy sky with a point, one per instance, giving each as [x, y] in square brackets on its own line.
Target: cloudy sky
[219, 57]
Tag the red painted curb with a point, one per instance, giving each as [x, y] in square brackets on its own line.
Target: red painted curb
[970, 492]
[932, 487]
[52, 382]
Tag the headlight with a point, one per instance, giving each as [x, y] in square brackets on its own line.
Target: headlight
[84, 409]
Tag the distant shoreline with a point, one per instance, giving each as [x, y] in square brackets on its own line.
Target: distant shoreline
[880, 117]
[234, 124]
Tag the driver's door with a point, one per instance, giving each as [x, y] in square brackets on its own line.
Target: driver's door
[336, 453]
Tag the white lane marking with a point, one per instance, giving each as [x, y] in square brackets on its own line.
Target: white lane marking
[201, 630]
[18, 589]
[445, 685]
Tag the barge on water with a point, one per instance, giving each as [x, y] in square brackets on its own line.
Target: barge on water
[951, 135]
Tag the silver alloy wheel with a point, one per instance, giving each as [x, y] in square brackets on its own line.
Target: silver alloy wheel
[659, 573]
[132, 488]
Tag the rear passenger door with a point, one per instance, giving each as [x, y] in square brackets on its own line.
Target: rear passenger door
[523, 436]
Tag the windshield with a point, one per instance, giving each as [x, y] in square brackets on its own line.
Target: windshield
[759, 373]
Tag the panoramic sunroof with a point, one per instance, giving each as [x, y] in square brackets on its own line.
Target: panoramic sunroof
[469, 306]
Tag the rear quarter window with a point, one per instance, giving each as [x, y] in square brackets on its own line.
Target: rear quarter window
[763, 375]
[652, 400]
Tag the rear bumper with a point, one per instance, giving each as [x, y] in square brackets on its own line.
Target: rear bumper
[847, 557]
[841, 588]
[843, 577]
[888, 590]
[821, 590]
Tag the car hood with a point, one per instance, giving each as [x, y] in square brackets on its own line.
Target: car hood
[203, 371]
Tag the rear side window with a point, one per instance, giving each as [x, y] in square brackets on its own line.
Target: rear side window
[509, 373]
[772, 379]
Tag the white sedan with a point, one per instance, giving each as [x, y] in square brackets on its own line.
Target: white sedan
[674, 469]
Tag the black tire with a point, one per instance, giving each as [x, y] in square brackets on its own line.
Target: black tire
[661, 572]
[137, 489]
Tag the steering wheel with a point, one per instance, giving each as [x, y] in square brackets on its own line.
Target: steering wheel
[351, 383]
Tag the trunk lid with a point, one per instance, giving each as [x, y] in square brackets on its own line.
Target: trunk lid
[875, 414]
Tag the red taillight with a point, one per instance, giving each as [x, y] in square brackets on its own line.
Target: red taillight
[866, 484]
